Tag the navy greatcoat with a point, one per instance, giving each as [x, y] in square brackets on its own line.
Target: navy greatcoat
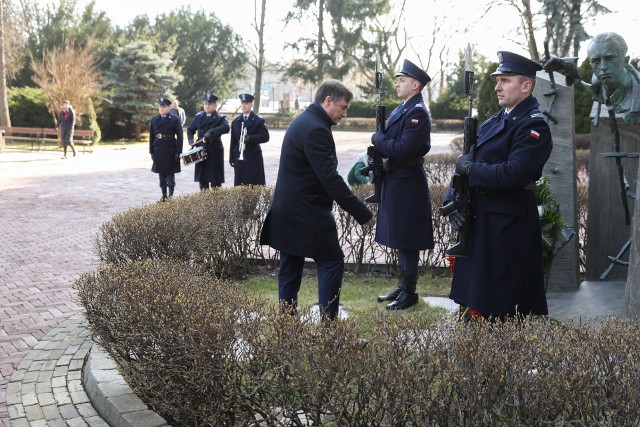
[165, 143]
[212, 169]
[249, 171]
[300, 219]
[503, 274]
[404, 215]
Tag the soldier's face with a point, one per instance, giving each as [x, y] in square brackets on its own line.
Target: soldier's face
[163, 109]
[245, 107]
[607, 62]
[209, 107]
[405, 87]
[511, 90]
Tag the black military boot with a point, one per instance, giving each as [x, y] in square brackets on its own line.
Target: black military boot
[408, 297]
[170, 192]
[394, 293]
[164, 194]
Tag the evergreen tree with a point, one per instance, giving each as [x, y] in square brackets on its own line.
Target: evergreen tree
[138, 77]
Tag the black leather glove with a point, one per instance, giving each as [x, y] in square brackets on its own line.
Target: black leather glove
[208, 137]
[153, 158]
[464, 162]
[457, 220]
[374, 138]
[191, 142]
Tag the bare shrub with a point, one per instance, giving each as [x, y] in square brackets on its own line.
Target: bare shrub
[201, 352]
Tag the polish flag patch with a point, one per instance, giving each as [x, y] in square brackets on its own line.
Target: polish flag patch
[415, 121]
[534, 134]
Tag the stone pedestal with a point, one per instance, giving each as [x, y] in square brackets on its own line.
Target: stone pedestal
[606, 230]
[560, 169]
[632, 289]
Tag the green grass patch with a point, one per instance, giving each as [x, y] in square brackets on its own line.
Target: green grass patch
[359, 295]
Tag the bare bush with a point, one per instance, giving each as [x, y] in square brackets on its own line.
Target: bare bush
[201, 352]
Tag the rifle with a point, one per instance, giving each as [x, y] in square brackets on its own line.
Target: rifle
[461, 194]
[376, 157]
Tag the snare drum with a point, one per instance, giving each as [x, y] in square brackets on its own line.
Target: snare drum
[193, 156]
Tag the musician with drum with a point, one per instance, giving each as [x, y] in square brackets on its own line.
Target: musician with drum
[248, 131]
[209, 126]
[165, 146]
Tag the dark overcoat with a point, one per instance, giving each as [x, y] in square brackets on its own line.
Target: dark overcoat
[67, 126]
[165, 143]
[503, 274]
[212, 169]
[250, 170]
[404, 215]
[300, 219]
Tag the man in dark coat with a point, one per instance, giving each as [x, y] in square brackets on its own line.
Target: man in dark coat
[249, 168]
[404, 215]
[300, 220]
[503, 273]
[210, 126]
[165, 146]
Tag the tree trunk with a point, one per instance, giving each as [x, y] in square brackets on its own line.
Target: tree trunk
[138, 131]
[5, 119]
[93, 121]
[260, 64]
[320, 72]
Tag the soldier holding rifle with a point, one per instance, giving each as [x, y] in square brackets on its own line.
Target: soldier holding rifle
[404, 215]
[502, 274]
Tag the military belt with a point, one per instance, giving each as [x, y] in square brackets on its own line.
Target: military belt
[530, 186]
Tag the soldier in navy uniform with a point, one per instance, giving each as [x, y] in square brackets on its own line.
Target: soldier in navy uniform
[210, 126]
[404, 214]
[250, 169]
[503, 274]
[165, 146]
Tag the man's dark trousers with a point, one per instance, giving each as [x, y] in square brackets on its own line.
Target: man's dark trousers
[330, 273]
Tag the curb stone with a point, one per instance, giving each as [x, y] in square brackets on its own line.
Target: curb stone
[68, 380]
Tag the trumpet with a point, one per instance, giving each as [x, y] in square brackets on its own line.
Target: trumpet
[243, 134]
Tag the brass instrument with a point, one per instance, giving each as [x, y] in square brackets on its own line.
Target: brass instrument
[243, 134]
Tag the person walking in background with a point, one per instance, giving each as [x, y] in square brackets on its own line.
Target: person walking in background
[165, 146]
[209, 126]
[248, 165]
[178, 111]
[300, 222]
[66, 124]
[404, 215]
[503, 273]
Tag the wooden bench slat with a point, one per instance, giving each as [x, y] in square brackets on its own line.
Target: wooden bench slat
[39, 135]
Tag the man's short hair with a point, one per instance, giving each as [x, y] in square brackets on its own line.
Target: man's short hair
[335, 89]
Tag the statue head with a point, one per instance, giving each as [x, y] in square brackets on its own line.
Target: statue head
[608, 58]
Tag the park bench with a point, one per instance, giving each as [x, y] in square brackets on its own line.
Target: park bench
[39, 136]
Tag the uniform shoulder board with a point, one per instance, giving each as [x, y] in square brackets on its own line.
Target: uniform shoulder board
[419, 105]
[199, 113]
[537, 116]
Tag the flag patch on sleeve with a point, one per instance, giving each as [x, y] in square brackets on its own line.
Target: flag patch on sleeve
[534, 134]
[415, 121]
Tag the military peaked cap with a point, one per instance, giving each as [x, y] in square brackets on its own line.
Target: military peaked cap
[412, 70]
[514, 64]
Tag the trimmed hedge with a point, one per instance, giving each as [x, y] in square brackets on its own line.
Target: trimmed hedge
[201, 352]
